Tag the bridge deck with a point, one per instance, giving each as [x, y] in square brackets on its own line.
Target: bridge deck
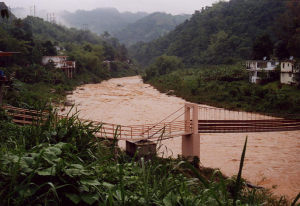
[241, 126]
[154, 137]
[165, 130]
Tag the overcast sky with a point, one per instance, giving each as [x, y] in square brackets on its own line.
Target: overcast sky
[168, 6]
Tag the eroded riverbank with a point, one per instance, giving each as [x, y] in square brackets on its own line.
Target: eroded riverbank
[271, 158]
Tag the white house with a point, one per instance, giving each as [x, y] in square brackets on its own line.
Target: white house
[288, 72]
[259, 68]
[61, 62]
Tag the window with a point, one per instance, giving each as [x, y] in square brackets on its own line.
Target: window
[282, 65]
[290, 74]
[273, 64]
[262, 64]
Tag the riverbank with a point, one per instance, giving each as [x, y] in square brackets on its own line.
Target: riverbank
[271, 158]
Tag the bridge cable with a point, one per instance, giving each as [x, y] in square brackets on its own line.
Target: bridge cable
[162, 121]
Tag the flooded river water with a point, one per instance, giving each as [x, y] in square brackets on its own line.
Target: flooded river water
[272, 159]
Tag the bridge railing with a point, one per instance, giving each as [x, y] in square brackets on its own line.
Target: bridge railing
[213, 113]
[198, 119]
[140, 132]
[218, 120]
[124, 132]
[25, 116]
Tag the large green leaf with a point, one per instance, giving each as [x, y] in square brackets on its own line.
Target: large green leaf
[47, 172]
[62, 145]
[76, 166]
[90, 198]
[27, 162]
[29, 191]
[74, 197]
[90, 182]
[56, 151]
[73, 172]
[170, 199]
[108, 185]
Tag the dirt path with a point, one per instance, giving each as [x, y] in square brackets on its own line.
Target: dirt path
[272, 159]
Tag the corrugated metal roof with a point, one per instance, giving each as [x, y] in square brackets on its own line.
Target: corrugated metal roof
[6, 54]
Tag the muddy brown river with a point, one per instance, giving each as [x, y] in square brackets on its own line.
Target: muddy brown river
[272, 159]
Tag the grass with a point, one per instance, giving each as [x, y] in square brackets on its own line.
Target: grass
[61, 162]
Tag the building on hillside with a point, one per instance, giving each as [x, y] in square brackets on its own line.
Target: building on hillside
[288, 73]
[5, 58]
[61, 62]
[261, 69]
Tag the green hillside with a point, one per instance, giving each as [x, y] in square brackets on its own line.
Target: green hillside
[33, 38]
[220, 34]
[150, 27]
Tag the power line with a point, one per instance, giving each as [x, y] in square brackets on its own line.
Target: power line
[85, 27]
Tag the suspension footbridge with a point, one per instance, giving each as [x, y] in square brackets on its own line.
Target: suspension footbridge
[188, 121]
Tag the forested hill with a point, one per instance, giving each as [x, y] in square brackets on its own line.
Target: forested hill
[219, 34]
[33, 38]
[101, 19]
[150, 27]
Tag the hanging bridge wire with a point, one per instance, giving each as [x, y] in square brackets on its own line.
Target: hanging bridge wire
[169, 122]
[161, 121]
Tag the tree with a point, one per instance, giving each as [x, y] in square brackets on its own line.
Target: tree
[262, 47]
[122, 52]
[4, 13]
[164, 65]
[105, 35]
[49, 49]
[287, 29]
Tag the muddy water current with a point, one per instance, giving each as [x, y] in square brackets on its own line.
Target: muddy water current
[272, 158]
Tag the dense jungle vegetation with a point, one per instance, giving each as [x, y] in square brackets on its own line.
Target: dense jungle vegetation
[150, 27]
[222, 34]
[225, 86]
[214, 79]
[127, 27]
[33, 38]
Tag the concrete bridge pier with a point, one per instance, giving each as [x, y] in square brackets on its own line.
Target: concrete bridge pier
[191, 142]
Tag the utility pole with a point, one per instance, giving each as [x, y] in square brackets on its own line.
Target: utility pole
[85, 27]
[32, 11]
[51, 18]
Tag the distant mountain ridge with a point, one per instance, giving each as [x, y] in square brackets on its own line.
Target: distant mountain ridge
[221, 34]
[150, 27]
[100, 20]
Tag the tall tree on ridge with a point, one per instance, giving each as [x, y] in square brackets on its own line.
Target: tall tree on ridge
[287, 29]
